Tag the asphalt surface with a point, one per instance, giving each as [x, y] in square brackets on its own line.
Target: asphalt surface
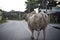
[18, 30]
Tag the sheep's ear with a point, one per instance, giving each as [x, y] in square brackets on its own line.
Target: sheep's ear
[24, 15]
[26, 19]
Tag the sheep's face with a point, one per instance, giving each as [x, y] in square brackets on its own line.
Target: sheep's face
[27, 15]
[24, 15]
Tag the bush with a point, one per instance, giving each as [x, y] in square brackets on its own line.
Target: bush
[2, 21]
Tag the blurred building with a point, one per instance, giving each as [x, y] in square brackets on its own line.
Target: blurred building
[54, 15]
[13, 15]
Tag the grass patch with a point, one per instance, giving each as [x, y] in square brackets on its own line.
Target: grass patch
[2, 21]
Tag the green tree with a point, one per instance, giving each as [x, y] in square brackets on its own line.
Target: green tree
[31, 5]
[52, 4]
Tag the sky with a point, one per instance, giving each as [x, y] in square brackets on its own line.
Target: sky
[17, 5]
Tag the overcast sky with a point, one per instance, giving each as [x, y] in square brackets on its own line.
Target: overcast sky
[17, 5]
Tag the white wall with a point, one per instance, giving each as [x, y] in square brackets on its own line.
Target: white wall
[56, 9]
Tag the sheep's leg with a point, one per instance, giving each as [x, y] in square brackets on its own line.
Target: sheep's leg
[32, 31]
[32, 37]
[38, 34]
[44, 33]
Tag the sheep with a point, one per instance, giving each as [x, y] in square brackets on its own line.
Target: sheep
[38, 22]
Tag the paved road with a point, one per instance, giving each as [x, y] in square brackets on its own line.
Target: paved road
[18, 30]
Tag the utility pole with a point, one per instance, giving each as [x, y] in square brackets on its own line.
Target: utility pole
[38, 8]
[29, 6]
[46, 5]
[28, 3]
[19, 15]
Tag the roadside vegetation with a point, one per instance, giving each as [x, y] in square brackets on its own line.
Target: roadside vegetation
[2, 20]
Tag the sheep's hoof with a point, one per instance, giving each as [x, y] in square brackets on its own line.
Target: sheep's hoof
[32, 38]
[36, 39]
